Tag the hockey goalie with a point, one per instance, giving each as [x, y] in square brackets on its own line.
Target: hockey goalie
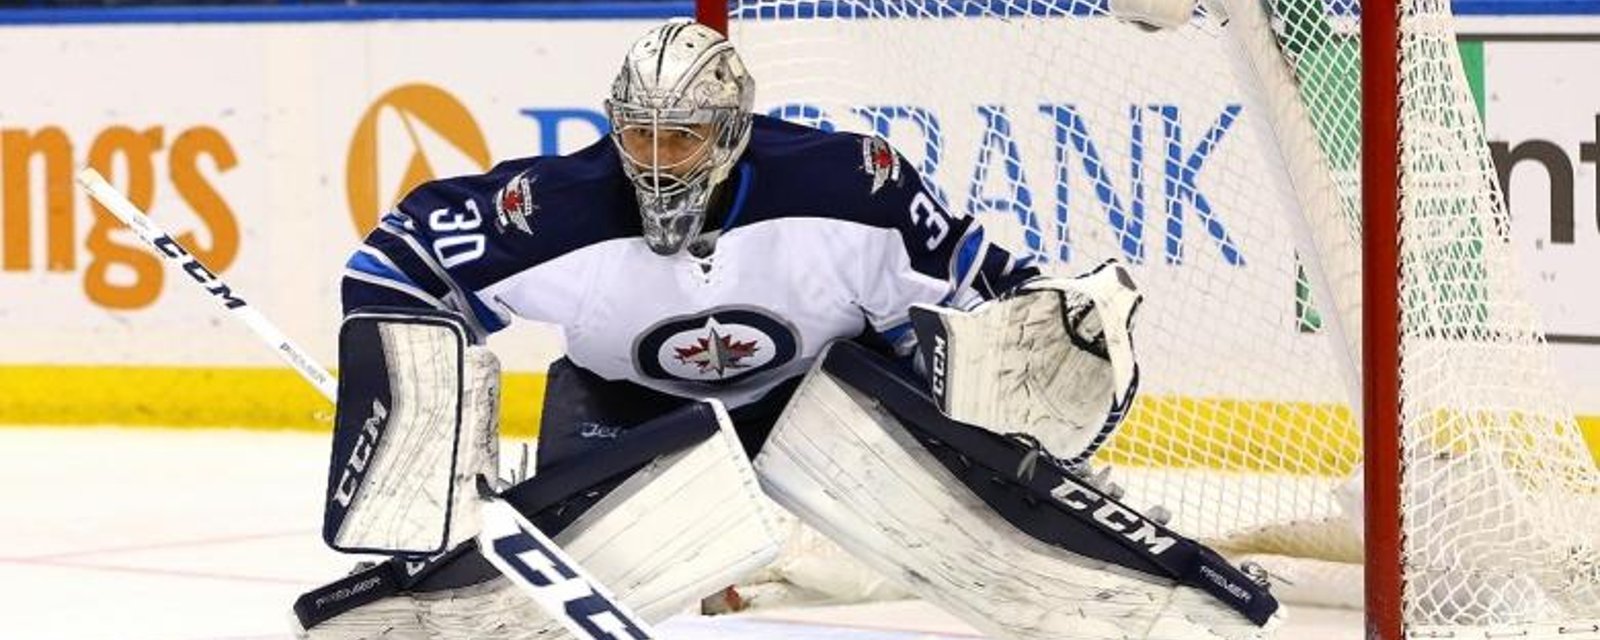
[732, 288]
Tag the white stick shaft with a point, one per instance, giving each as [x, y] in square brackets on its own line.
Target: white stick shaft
[169, 250]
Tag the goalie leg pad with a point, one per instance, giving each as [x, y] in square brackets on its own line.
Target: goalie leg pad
[661, 519]
[1066, 562]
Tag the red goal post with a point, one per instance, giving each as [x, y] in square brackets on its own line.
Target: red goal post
[1380, 250]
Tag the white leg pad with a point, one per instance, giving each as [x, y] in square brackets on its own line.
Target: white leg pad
[847, 468]
[684, 526]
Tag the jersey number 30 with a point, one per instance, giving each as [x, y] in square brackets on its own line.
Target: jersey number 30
[456, 243]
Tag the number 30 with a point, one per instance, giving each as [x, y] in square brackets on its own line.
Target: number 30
[452, 250]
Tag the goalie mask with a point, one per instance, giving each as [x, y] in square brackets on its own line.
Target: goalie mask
[680, 116]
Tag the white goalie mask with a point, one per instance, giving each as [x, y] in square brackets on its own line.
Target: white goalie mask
[680, 116]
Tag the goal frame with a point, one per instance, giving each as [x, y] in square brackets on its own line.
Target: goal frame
[1380, 345]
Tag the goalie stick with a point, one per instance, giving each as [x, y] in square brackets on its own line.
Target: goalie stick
[526, 556]
[171, 251]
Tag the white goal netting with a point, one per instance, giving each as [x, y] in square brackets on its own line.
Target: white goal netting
[1221, 161]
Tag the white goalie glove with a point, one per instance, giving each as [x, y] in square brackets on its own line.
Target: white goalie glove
[1055, 361]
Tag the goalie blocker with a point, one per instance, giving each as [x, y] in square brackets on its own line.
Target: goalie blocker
[416, 426]
[984, 525]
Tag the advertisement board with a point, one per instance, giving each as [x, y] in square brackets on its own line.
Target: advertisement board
[1542, 118]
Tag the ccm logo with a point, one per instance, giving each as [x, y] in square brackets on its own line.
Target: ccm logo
[198, 271]
[366, 441]
[558, 582]
[1114, 516]
[936, 369]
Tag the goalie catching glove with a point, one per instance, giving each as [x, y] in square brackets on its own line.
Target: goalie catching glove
[1055, 360]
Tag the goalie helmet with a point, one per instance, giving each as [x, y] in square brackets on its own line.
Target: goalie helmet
[680, 115]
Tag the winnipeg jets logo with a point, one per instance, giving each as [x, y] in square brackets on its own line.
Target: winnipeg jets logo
[880, 162]
[717, 346]
[514, 203]
[717, 352]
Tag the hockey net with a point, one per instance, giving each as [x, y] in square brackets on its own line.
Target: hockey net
[1220, 159]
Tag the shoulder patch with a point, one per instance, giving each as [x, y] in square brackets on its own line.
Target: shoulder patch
[513, 204]
[879, 161]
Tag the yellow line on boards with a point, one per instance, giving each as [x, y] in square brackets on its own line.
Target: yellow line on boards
[1290, 437]
[1295, 438]
[179, 397]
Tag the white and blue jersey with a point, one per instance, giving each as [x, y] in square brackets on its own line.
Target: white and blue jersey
[822, 236]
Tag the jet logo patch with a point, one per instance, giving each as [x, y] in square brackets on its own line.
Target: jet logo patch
[514, 204]
[880, 162]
